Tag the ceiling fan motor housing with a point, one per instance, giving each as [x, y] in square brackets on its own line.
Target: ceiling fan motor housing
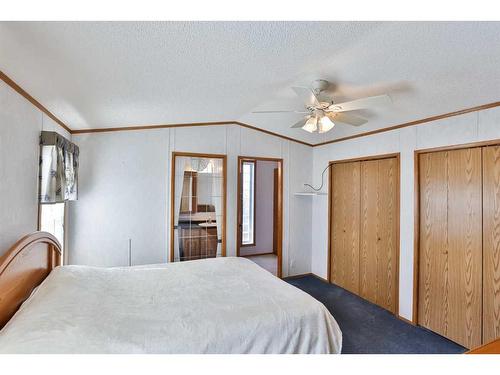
[320, 85]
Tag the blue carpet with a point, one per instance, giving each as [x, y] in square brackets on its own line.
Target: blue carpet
[367, 328]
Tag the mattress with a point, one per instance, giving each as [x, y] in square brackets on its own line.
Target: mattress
[222, 305]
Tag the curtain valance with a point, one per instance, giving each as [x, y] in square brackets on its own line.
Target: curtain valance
[58, 169]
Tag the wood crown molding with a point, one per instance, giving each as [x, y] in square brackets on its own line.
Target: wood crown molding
[191, 124]
[365, 134]
[37, 104]
[412, 123]
[32, 100]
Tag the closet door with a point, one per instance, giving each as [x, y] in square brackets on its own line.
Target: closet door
[491, 243]
[450, 264]
[379, 232]
[344, 240]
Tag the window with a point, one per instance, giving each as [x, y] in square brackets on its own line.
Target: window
[52, 221]
[248, 203]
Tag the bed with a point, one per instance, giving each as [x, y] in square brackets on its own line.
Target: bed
[221, 305]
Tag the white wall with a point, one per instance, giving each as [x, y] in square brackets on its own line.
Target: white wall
[471, 127]
[124, 190]
[264, 209]
[20, 126]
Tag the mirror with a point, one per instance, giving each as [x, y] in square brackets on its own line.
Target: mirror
[199, 196]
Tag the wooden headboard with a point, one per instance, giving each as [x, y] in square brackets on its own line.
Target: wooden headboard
[25, 265]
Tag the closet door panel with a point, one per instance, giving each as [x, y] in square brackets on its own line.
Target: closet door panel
[370, 222]
[465, 247]
[345, 225]
[388, 238]
[491, 243]
[433, 269]
[450, 260]
[379, 226]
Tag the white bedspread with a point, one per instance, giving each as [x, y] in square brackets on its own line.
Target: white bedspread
[223, 305]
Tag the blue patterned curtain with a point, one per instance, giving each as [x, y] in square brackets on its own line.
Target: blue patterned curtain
[58, 169]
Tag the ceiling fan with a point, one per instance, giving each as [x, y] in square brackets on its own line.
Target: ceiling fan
[322, 115]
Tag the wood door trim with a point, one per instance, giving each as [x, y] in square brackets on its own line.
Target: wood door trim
[367, 158]
[280, 206]
[397, 156]
[416, 209]
[172, 195]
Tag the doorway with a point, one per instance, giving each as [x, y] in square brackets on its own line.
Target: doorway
[260, 212]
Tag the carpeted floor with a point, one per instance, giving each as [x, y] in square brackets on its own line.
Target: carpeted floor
[367, 328]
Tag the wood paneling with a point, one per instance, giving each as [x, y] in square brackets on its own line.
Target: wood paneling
[450, 258]
[345, 225]
[379, 232]
[491, 243]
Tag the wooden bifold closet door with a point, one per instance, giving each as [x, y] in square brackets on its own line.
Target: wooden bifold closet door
[379, 232]
[364, 229]
[344, 262]
[450, 237]
[491, 243]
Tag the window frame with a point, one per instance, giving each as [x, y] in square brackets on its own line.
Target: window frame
[65, 226]
[254, 162]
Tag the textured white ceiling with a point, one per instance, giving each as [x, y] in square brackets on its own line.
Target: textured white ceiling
[107, 74]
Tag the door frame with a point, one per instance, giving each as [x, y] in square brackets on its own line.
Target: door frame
[279, 249]
[172, 196]
[396, 155]
[416, 209]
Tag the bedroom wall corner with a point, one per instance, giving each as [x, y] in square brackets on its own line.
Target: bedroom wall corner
[20, 126]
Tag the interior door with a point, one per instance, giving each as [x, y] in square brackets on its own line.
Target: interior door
[344, 242]
[450, 256]
[378, 261]
[491, 243]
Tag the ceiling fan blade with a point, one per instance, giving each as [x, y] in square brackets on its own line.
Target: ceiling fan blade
[369, 102]
[306, 95]
[346, 118]
[280, 111]
[301, 123]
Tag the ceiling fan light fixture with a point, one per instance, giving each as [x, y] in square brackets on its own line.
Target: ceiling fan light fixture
[325, 124]
[311, 125]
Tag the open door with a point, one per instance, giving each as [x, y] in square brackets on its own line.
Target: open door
[260, 211]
